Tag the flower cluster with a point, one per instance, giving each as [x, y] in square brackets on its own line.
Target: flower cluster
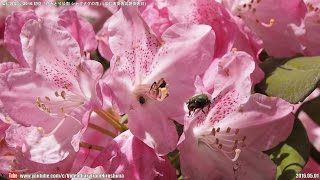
[161, 91]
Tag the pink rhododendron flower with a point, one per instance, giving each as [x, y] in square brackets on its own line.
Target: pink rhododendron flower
[148, 77]
[310, 39]
[230, 31]
[239, 64]
[80, 29]
[63, 92]
[72, 23]
[229, 139]
[272, 21]
[129, 156]
[156, 17]
[210, 13]
[7, 9]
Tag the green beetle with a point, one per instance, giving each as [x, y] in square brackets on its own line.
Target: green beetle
[199, 101]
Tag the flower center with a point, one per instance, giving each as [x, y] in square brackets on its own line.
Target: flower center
[60, 103]
[228, 141]
[157, 91]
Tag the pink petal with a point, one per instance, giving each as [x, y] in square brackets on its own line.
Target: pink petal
[156, 18]
[87, 170]
[230, 70]
[41, 147]
[313, 129]
[80, 29]
[137, 49]
[85, 156]
[4, 67]
[265, 121]
[96, 15]
[60, 53]
[20, 103]
[103, 42]
[23, 164]
[142, 122]
[206, 12]
[89, 73]
[246, 40]
[14, 24]
[310, 39]
[272, 23]
[129, 156]
[255, 165]
[198, 161]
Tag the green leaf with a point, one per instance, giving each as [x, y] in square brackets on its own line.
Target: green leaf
[291, 155]
[312, 109]
[292, 80]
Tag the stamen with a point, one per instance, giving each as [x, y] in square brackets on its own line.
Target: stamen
[91, 146]
[102, 130]
[237, 151]
[112, 120]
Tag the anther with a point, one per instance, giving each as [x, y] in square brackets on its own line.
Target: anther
[56, 93]
[40, 130]
[217, 141]
[228, 129]
[237, 131]
[237, 151]
[271, 22]
[63, 94]
[254, 10]
[213, 131]
[47, 98]
[220, 146]
[218, 129]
